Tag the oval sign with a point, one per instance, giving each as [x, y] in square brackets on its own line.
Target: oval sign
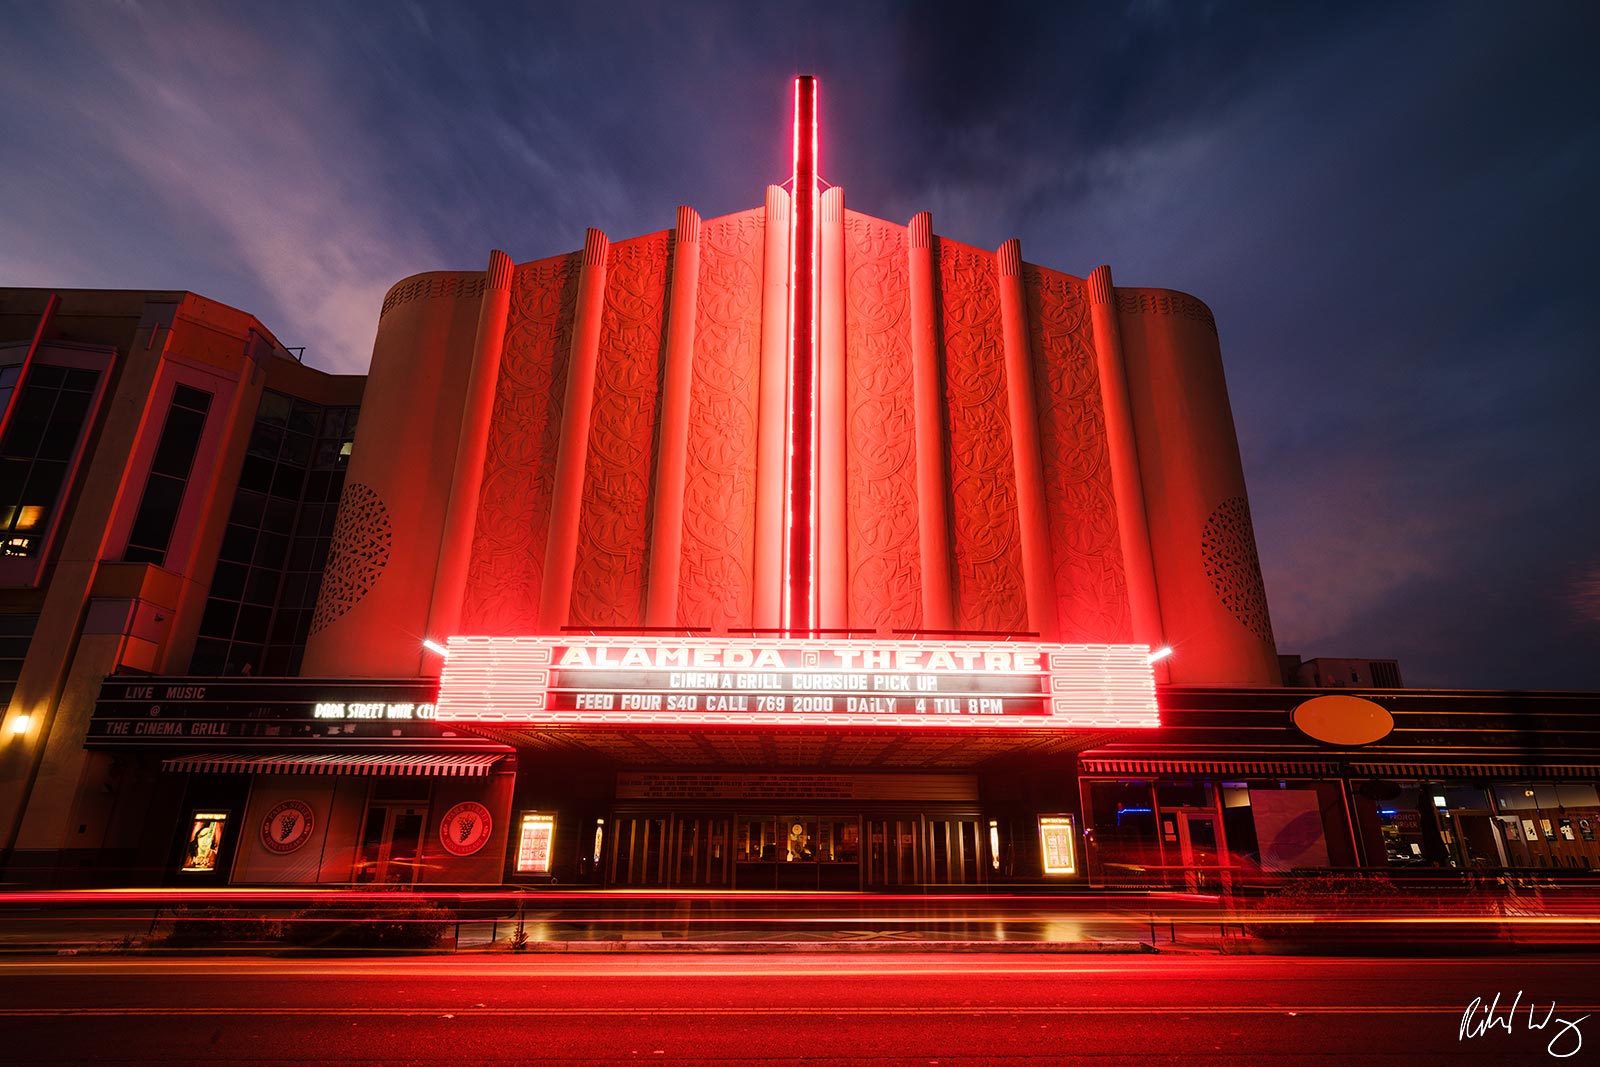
[465, 828]
[287, 827]
[1343, 721]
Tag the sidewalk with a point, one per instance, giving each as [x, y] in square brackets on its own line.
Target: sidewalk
[580, 921]
[625, 922]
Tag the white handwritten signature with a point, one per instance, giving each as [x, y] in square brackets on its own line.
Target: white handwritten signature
[1480, 1018]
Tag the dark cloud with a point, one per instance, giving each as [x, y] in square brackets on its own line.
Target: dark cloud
[1387, 206]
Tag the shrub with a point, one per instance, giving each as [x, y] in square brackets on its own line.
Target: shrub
[1325, 898]
[402, 924]
[205, 926]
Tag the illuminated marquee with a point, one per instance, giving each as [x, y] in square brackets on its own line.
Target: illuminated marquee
[756, 682]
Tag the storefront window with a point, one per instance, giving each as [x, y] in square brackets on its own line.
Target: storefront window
[798, 848]
[1122, 828]
[1439, 824]
[757, 841]
[1548, 824]
[841, 841]
[1184, 794]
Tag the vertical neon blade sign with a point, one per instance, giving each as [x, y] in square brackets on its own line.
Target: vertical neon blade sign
[800, 607]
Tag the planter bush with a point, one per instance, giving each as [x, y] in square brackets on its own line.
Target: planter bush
[207, 926]
[402, 924]
[1334, 903]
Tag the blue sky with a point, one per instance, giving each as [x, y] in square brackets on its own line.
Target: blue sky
[1389, 208]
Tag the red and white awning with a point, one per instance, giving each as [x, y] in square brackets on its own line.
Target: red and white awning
[430, 764]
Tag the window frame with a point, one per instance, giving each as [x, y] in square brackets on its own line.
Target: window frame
[27, 571]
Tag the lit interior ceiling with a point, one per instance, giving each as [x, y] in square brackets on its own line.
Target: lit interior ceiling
[637, 746]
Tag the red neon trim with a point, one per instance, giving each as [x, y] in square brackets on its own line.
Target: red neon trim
[800, 616]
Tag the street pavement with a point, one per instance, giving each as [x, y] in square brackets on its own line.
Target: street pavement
[940, 1009]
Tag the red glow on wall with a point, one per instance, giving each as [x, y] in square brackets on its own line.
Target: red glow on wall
[972, 685]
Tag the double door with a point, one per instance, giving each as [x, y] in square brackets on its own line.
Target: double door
[391, 840]
[668, 850]
[917, 850]
[1201, 851]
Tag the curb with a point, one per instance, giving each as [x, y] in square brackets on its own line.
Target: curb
[592, 948]
[784, 947]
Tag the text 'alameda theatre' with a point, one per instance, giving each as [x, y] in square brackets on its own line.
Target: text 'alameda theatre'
[790, 549]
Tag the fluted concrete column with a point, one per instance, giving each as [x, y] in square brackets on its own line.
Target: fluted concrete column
[927, 386]
[772, 422]
[1033, 518]
[472, 446]
[672, 462]
[833, 561]
[1133, 527]
[572, 451]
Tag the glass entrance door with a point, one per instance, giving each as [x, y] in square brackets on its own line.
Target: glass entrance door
[1200, 844]
[390, 842]
[700, 852]
[638, 852]
[952, 851]
[891, 853]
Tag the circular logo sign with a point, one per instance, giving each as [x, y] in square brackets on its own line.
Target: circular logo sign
[465, 828]
[287, 827]
[1344, 721]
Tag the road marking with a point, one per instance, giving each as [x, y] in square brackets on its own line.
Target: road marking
[763, 965]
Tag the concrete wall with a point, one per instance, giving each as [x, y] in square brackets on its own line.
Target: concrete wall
[372, 612]
[1213, 603]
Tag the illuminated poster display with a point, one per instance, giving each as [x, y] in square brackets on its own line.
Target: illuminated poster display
[610, 680]
[1056, 844]
[205, 838]
[533, 842]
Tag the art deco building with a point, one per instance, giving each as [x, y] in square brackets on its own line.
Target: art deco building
[791, 548]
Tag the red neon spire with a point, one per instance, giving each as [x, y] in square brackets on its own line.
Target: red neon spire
[800, 616]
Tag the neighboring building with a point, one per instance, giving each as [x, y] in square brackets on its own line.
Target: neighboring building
[1326, 672]
[794, 548]
[134, 447]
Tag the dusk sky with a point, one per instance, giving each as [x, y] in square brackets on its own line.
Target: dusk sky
[1391, 209]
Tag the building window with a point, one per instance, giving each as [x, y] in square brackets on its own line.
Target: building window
[1385, 675]
[276, 543]
[16, 632]
[37, 452]
[8, 383]
[169, 477]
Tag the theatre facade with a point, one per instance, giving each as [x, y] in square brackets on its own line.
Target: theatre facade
[788, 549]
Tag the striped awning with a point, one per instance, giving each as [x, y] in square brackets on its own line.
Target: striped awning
[1475, 770]
[432, 764]
[1256, 769]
